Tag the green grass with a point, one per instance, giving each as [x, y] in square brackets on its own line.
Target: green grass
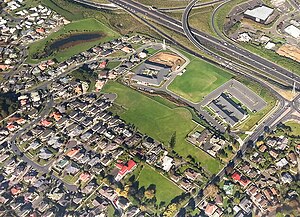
[160, 122]
[68, 14]
[165, 189]
[151, 51]
[86, 25]
[203, 14]
[71, 179]
[164, 3]
[199, 18]
[220, 16]
[110, 211]
[163, 101]
[199, 80]
[295, 127]
[112, 64]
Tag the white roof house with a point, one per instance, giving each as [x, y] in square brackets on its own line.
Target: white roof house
[259, 14]
[167, 163]
[292, 31]
[270, 45]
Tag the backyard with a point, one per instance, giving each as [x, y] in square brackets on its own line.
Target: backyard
[165, 189]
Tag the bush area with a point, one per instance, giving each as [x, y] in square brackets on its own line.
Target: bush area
[8, 104]
[88, 76]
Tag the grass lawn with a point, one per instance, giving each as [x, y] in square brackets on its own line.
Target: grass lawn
[199, 18]
[69, 14]
[159, 121]
[165, 189]
[113, 64]
[220, 16]
[199, 80]
[151, 51]
[86, 25]
[295, 127]
[110, 211]
[164, 4]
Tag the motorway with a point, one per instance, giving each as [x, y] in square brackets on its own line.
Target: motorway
[201, 40]
[237, 53]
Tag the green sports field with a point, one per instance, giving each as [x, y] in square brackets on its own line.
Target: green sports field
[160, 121]
[81, 26]
[165, 189]
[199, 80]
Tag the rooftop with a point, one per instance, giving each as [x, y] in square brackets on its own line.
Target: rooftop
[261, 13]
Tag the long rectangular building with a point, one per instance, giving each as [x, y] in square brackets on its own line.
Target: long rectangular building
[227, 109]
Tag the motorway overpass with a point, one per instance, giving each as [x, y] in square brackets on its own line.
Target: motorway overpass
[236, 53]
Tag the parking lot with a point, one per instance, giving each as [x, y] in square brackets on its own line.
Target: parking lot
[239, 91]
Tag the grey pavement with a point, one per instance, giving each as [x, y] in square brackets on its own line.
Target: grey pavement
[239, 91]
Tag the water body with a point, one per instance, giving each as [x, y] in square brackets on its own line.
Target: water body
[74, 40]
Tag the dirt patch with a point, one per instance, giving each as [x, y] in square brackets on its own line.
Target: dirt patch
[289, 51]
[167, 58]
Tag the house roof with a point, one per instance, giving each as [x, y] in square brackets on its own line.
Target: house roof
[210, 209]
[72, 152]
[45, 123]
[126, 168]
[236, 176]
[84, 176]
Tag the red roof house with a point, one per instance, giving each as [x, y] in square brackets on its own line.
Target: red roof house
[45, 123]
[102, 65]
[240, 179]
[236, 176]
[124, 169]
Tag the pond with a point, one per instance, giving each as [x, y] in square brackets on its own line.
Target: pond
[74, 39]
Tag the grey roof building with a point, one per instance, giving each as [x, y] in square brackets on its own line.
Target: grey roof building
[226, 108]
[259, 14]
[151, 73]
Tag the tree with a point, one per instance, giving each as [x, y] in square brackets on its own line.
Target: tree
[140, 193]
[211, 191]
[173, 140]
[149, 194]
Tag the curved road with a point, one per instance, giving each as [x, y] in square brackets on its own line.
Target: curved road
[200, 5]
[270, 68]
[44, 169]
